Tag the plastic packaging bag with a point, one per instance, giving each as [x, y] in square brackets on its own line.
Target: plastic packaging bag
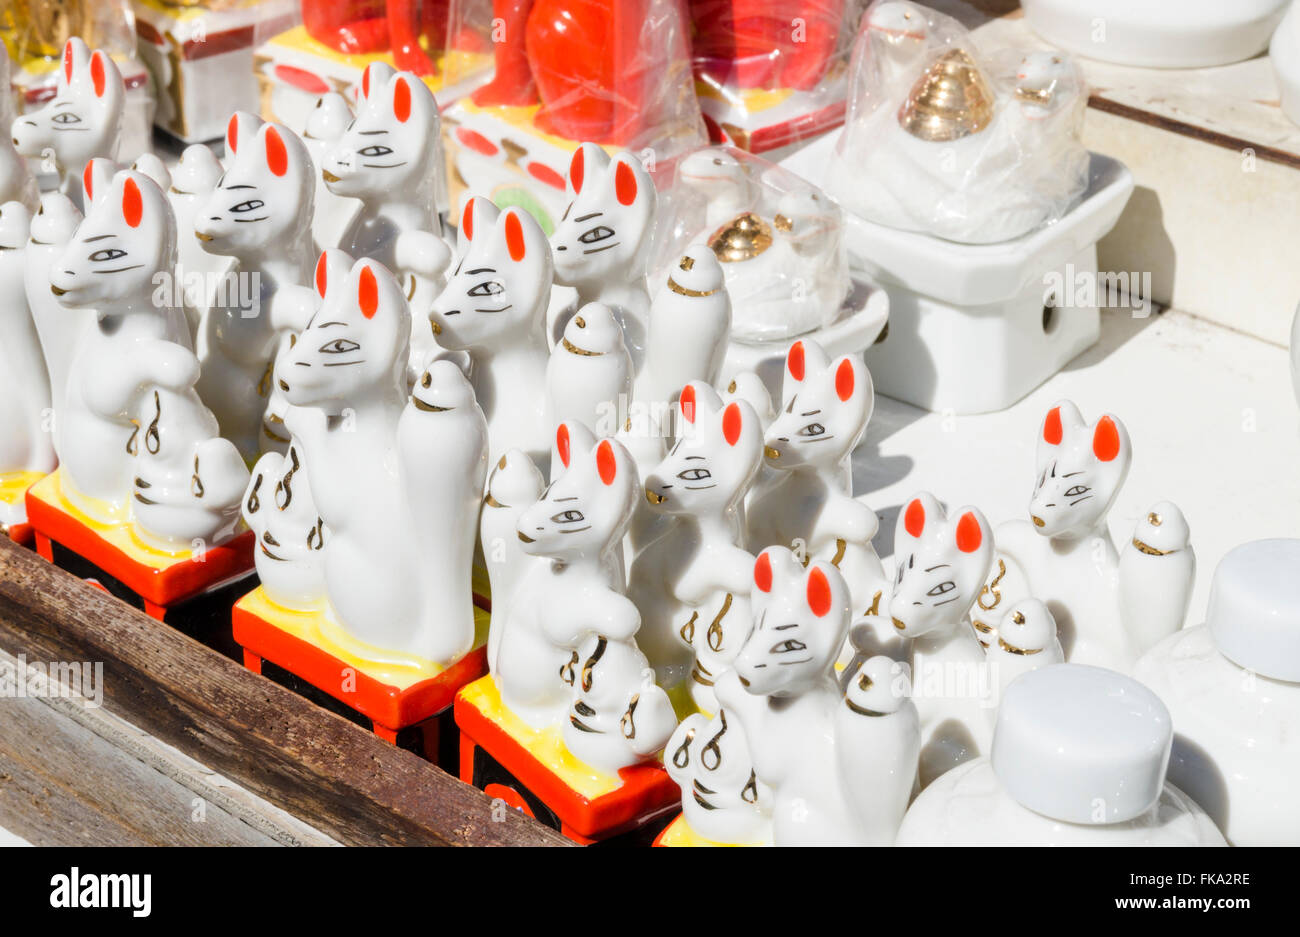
[942, 139]
[771, 72]
[778, 238]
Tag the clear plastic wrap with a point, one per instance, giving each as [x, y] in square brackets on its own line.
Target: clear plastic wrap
[778, 238]
[771, 72]
[943, 139]
[612, 72]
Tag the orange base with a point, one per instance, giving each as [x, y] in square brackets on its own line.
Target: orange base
[389, 708]
[23, 534]
[161, 580]
[494, 760]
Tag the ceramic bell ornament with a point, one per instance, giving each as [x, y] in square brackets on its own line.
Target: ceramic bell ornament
[690, 320]
[26, 443]
[776, 237]
[370, 450]
[1232, 686]
[82, 121]
[602, 244]
[259, 213]
[840, 763]
[390, 158]
[494, 307]
[16, 182]
[808, 500]
[1110, 606]
[692, 582]
[1079, 757]
[1024, 640]
[941, 140]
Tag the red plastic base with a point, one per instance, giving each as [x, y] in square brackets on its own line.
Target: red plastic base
[496, 762]
[161, 585]
[388, 707]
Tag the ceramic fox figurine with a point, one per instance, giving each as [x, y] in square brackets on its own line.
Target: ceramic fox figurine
[589, 371]
[188, 482]
[841, 766]
[83, 119]
[692, 583]
[1108, 610]
[942, 561]
[577, 525]
[690, 320]
[825, 408]
[617, 715]
[16, 182]
[722, 798]
[494, 307]
[109, 265]
[51, 230]
[26, 445]
[345, 382]
[193, 178]
[279, 509]
[259, 214]
[390, 158]
[602, 244]
[333, 214]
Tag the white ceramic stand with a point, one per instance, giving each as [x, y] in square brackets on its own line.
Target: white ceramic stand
[973, 327]
[1157, 33]
[1284, 52]
[1232, 687]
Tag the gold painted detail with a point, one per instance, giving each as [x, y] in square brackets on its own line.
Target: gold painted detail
[574, 349]
[714, 635]
[841, 546]
[743, 238]
[949, 101]
[992, 589]
[1018, 651]
[654, 498]
[684, 291]
[771, 453]
[1150, 550]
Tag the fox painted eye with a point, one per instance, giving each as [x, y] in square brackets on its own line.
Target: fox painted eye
[67, 117]
[942, 588]
[339, 346]
[568, 517]
[490, 288]
[108, 253]
[375, 150]
[694, 474]
[812, 429]
[1077, 490]
[253, 204]
[598, 233]
[786, 647]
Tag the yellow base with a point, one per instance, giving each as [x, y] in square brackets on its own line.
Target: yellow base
[14, 485]
[119, 534]
[317, 628]
[545, 745]
[679, 833]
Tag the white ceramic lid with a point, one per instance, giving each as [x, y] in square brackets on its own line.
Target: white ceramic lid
[1081, 744]
[1254, 610]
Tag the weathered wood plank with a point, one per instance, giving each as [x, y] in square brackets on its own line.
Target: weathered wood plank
[337, 777]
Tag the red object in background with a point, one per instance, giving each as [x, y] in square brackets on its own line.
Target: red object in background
[580, 59]
[765, 43]
[408, 22]
[349, 26]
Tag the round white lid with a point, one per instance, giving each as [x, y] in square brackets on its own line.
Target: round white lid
[1081, 744]
[1254, 610]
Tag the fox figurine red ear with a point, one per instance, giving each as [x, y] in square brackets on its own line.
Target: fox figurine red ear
[493, 307]
[89, 99]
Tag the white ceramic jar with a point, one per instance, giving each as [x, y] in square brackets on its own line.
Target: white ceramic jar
[1232, 686]
[1078, 759]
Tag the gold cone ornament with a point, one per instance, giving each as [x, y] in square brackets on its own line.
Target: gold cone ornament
[949, 101]
[742, 238]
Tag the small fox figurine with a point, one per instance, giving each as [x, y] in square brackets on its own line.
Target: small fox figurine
[83, 119]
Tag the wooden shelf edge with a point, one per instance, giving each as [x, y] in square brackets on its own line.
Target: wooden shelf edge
[330, 773]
